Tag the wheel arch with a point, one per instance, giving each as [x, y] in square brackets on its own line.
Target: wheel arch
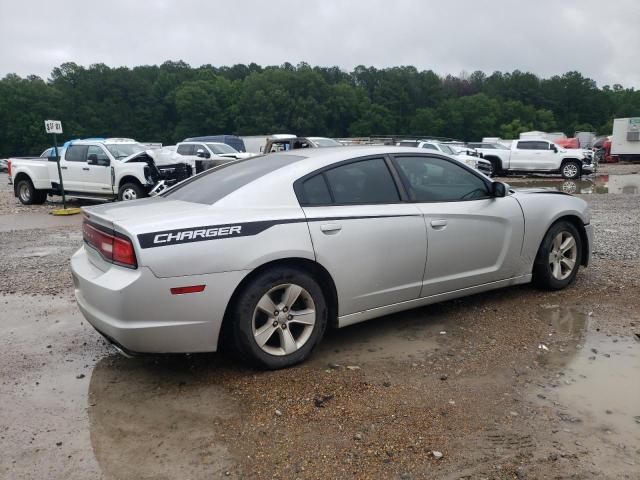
[325, 281]
[495, 160]
[576, 221]
[129, 179]
[17, 179]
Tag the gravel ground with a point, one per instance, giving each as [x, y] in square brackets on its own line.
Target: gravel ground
[501, 385]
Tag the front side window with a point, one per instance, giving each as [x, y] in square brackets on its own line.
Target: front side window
[362, 182]
[100, 155]
[437, 180]
[76, 153]
[541, 146]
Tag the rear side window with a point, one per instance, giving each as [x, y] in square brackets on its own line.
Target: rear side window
[76, 153]
[363, 182]
[315, 191]
[533, 145]
[185, 149]
[217, 183]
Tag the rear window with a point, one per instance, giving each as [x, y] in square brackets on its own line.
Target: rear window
[217, 183]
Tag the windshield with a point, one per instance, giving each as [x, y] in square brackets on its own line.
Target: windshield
[216, 183]
[447, 149]
[326, 142]
[220, 148]
[499, 146]
[123, 150]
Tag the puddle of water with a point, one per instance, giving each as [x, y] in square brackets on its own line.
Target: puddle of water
[600, 374]
[606, 381]
[600, 184]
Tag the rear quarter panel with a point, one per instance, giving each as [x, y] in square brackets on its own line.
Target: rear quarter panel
[36, 170]
[286, 236]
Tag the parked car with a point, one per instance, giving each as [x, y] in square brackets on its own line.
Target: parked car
[263, 254]
[321, 142]
[539, 156]
[108, 169]
[473, 161]
[235, 142]
[205, 155]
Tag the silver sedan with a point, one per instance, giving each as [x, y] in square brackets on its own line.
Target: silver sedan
[263, 254]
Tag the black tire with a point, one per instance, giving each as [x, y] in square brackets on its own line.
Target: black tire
[131, 191]
[543, 274]
[571, 170]
[495, 164]
[241, 318]
[27, 194]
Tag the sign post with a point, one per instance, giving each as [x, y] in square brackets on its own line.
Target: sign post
[55, 127]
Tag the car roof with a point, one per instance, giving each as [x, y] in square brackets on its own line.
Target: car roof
[91, 141]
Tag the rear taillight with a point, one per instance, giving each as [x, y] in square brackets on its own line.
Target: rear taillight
[9, 167]
[111, 246]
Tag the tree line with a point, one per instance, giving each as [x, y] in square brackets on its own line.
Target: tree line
[172, 101]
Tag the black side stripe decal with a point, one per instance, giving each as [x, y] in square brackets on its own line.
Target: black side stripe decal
[231, 230]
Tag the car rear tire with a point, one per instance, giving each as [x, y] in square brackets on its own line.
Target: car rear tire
[130, 191]
[278, 318]
[558, 258]
[28, 194]
[570, 170]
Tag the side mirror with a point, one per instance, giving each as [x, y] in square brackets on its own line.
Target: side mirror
[202, 154]
[92, 159]
[498, 189]
[554, 148]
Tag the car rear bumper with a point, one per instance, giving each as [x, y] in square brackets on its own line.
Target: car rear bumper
[135, 310]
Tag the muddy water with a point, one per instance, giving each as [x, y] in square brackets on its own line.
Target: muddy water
[596, 386]
[599, 184]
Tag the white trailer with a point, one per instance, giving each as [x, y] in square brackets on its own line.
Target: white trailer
[625, 141]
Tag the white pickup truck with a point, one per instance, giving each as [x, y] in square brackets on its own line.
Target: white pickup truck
[110, 169]
[539, 156]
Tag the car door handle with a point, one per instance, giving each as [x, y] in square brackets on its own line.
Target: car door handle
[63, 168]
[438, 224]
[330, 228]
[85, 168]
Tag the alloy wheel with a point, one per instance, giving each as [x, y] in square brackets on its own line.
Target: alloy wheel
[283, 319]
[570, 170]
[563, 255]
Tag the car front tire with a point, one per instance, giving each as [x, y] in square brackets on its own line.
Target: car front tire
[130, 191]
[570, 170]
[278, 318]
[558, 258]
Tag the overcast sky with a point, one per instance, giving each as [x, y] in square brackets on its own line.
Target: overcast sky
[547, 37]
